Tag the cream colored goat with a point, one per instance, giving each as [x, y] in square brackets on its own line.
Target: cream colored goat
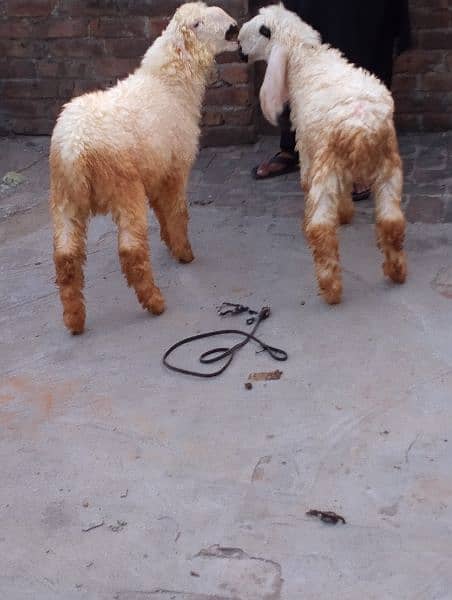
[113, 151]
[343, 118]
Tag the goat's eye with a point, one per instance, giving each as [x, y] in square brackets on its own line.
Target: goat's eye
[265, 31]
[196, 25]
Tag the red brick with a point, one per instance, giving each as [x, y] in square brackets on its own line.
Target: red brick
[236, 8]
[449, 61]
[66, 89]
[43, 28]
[404, 83]
[240, 116]
[15, 29]
[429, 18]
[152, 7]
[82, 86]
[436, 82]
[74, 68]
[227, 135]
[234, 73]
[29, 88]
[113, 27]
[407, 122]
[157, 26]
[29, 8]
[41, 126]
[25, 108]
[434, 4]
[16, 48]
[437, 121]
[105, 68]
[78, 8]
[436, 39]
[228, 57]
[211, 118]
[423, 101]
[407, 103]
[63, 28]
[235, 96]
[48, 68]
[126, 47]
[17, 68]
[76, 48]
[419, 61]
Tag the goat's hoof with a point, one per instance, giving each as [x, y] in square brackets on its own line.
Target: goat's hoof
[396, 270]
[156, 303]
[75, 321]
[332, 292]
[186, 256]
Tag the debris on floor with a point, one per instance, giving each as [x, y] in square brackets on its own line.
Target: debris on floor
[248, 386]
[119, 526]
[92, 526]
[327, 516]
[13, 178]
[266, 376]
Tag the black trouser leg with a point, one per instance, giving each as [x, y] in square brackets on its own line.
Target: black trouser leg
[287, 143]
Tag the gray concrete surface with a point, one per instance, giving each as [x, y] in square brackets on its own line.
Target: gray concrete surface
[199, 489]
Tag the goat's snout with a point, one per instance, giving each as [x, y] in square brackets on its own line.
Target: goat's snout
[232, 33]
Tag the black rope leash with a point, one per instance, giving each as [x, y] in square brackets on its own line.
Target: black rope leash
[218, 354]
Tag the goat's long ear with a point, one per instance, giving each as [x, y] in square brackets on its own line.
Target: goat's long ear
[274, 92]
[186, 42]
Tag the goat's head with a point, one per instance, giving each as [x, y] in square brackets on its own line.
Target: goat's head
[273, 26]
[209, 25]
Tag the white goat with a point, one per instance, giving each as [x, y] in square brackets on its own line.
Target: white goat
[343, 118]
[113, 151]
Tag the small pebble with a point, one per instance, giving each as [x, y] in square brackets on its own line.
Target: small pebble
[248, 386]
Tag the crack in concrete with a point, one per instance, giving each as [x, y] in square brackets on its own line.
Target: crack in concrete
[410, 447]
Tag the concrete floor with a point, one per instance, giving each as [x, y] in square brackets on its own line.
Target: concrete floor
[121, 480]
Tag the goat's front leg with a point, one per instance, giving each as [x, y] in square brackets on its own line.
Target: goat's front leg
[170, 206]
[321, 221]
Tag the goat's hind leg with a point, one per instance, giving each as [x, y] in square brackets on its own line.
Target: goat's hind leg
[69, 257]
[391, 222]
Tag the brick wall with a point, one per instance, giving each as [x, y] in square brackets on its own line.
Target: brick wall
[423, 79]
[52, 50]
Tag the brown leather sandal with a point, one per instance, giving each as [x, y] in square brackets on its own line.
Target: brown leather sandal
[288, 163]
